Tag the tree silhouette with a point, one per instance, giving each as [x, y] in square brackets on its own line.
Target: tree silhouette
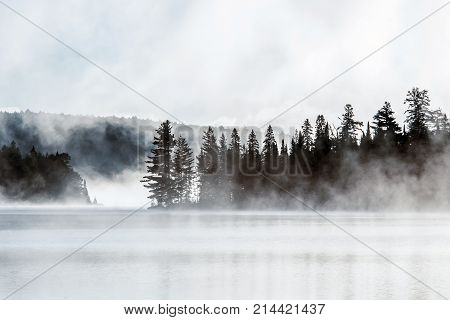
[223, 167]
[160, 170]
[417, 114]
[307, 134]
[184, 170]
[39, 178]
[269, 152]
[208, 164]
[235, 169]
[349, 128]
[386, 128]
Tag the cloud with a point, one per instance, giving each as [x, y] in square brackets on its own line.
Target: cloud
[233, 61]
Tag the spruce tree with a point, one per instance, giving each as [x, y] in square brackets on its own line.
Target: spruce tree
[223, 166]
[252, 163]
[294, 147]
[208, 162]
[184, 170]
[307, 133]
[386, 128]
[284, 148]
[417, 114]
[234, 161]
[223, 150]
[160, 176]
[349, 128]
[299, 157]
[283, 159]
[269, 151]
[235, 143]
[251, 166]
[322, 141]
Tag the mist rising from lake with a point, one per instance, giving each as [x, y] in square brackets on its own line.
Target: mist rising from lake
[222, 255]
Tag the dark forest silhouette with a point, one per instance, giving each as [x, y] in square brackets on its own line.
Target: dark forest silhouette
[319, 158]
[38, 177]
[92, 142]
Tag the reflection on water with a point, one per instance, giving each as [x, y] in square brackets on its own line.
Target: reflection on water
[225, 255]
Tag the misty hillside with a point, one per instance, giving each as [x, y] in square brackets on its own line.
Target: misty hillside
[97, 145]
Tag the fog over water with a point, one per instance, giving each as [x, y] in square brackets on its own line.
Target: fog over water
[222, 255]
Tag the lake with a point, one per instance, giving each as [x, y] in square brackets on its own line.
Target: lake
[222, 254]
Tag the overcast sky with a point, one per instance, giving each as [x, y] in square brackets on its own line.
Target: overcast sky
[222, 62]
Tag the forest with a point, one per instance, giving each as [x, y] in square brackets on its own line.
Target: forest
[104, 146]
[319, 164]
[37, 177]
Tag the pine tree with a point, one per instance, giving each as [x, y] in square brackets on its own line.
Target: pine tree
[294, 147]
[208, 162]
[235, 144]
[322, 142]
[251, 167]
[184, 170]
[283, 159]
[223, 180]
[417, 114]
[160, 178]
[284, 149]
[234, 161]
[307, 135]
[349, 128]
[252, 163]
[299, 157]
[269, 151]
[223, 151]
[386, 128]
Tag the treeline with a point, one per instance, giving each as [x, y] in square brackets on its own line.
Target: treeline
[38, 177]
[318, 158]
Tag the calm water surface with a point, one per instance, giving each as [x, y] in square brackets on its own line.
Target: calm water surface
[222, 255]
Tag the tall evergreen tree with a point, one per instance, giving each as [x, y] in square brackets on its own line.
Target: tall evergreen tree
[322, 141]
[251, 167]
[208, 162]
[160, 176]
[184, 170]
[223, 147]
[234, 160]
[294, 146]
[223, 168]
[307, 133]
[235, 143]
[386, 128]
[349, 128]
[284, 148]
[252, 146]
[252, 163]
[283, 159]
[270, 151]
[417, 114]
